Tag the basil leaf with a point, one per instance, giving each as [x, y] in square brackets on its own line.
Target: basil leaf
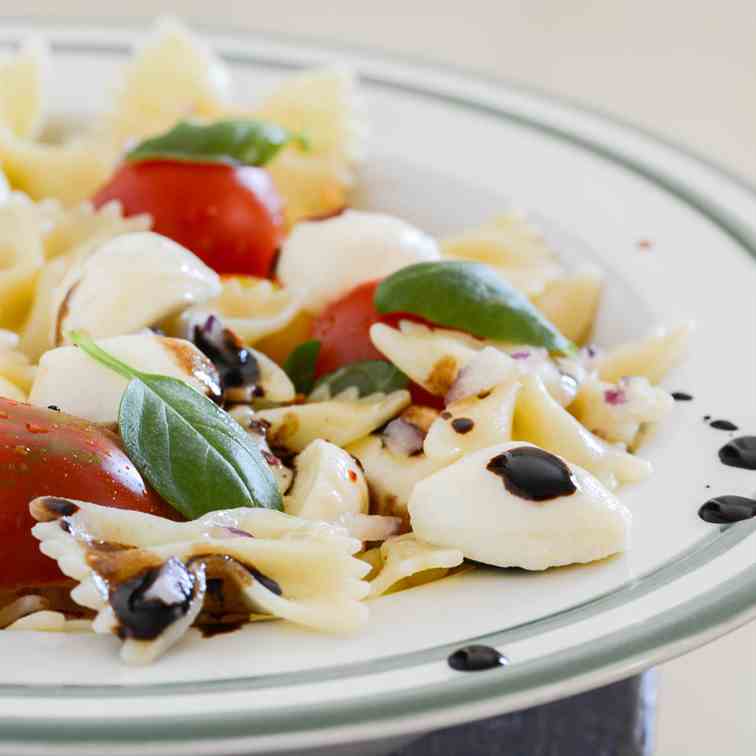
[194, 454]
[239, 142]
[370, 377]
[300, 366]
[470, 297]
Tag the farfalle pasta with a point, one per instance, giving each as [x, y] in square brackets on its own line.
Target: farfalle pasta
[226, 396]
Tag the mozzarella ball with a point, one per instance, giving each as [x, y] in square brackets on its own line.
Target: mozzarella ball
[328, 484]
[323, 260]
[514, 505]
[71, 380]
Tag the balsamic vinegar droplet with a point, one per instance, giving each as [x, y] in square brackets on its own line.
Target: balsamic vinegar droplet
[727, 509]
[476, 659]
[682, 396]
[740, 452]
[724, 425]
[533, 474]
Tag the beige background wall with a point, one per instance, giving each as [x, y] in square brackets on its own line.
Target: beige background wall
[682, 67]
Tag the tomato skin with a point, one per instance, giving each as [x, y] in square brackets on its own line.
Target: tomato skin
[47, 453]
[229, 216]
[343, 330]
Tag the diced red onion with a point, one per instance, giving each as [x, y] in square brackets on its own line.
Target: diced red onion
[402, 437]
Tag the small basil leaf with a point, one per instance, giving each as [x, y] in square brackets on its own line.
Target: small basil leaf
[192, 452]
[239, 142]
[300, 366]
[369, 377]
[470, 297]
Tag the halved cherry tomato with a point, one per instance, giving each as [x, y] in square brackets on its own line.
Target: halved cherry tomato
[229, 216]
[48, 453]
[343, 330]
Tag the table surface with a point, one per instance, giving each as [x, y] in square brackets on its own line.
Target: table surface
[685, 70]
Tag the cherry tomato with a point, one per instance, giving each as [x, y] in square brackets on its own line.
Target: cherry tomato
[48, 453]
[229, 216]
[343, 330]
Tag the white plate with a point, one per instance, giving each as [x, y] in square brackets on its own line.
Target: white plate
[449, 150]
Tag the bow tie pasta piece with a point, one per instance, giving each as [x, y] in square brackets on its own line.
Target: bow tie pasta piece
[444, 361]
[172, 76]
[321, 261]
[76, 231]
[473, 423]
[617, 412]
[253, 308]
[541, 420]
[540, 514]
[22, 85]
[16, 374]
[71, 380]
[340, 420]
[513, 247]
[571, 302]
[652, 357]
[406, 557]
[130, 282]
[147, 577]
[432, 358]
[325, 107]
[21, 258]
[70, 172]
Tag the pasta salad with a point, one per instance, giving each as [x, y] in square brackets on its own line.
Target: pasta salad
[227, 396]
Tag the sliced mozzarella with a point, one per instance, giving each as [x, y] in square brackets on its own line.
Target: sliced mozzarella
[473, 423]
[467, 506]
[391, 477]
[340, 420]
[71, 380]
[540, 420]
[323, 260]
[130, 282]
[328, 483]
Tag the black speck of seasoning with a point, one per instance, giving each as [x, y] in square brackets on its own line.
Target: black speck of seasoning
[681, 396]
[484, 394]
[533, 474]
[462, 424]
[476, 659]
[707, 418]
[708, 485]
[740, 452]
[145, 618]
[264, 580]
[724, 425]
[446, 415]
[727, 509]
[53, 407]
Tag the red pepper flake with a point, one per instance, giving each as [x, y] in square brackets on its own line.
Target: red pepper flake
[615, 396]
[645, 244]
[352, 476]
[34, 428]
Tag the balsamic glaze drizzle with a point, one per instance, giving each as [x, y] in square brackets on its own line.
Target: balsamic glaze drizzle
[724, 510]
[533, 474]
[476, 659]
